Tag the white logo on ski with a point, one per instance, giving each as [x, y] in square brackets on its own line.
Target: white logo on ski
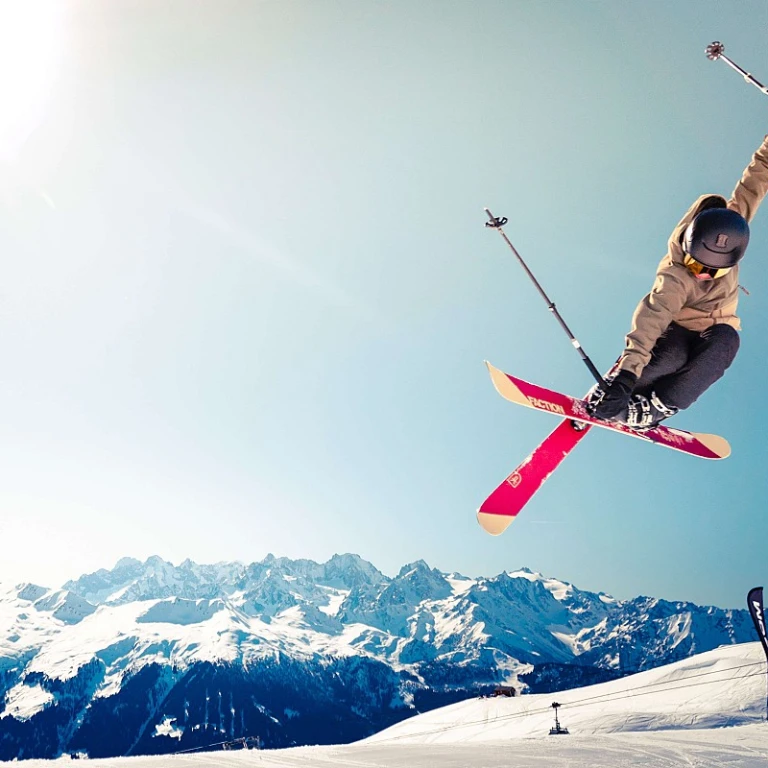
[547, 406]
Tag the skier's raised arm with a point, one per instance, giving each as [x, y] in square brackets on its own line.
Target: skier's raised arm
[753, 185]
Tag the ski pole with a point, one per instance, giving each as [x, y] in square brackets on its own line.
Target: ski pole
[497, 224]
[714, 52]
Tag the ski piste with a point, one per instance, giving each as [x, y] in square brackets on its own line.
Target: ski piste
[500, 508]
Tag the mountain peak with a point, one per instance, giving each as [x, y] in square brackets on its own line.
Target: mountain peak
[417, 565]
[525, 573]
[347, 558]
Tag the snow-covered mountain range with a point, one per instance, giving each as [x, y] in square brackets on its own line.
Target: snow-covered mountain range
[152, 657]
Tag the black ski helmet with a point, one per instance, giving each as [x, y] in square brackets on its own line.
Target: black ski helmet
[717, 238]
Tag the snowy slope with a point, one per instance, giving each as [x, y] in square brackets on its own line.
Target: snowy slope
[659, 718]
[724, 687]
[742, 747]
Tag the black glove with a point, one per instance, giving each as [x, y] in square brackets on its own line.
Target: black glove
[616, 396]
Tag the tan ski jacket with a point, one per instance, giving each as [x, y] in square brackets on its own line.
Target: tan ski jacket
[677, 296]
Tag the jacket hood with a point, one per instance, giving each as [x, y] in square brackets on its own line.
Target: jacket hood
[703, 203]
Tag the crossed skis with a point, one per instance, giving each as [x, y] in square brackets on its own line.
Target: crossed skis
[498, 511]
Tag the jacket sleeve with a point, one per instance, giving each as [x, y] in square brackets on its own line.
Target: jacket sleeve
[653, 315]
[753, 185]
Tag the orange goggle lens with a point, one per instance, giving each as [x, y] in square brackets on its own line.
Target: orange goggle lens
[697, 268]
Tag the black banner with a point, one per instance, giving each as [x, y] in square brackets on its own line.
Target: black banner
[755, 603]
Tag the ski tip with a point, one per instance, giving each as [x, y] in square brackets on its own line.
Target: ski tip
[506, 387]
[718, 445]
[493, 524]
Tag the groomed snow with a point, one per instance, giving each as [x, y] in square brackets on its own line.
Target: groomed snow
[723, 687]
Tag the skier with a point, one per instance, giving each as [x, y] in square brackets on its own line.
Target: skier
[684, 332]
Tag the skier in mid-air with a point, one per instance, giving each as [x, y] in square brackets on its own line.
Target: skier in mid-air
[685, 331]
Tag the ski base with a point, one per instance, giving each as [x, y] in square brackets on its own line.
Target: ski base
[498, 511]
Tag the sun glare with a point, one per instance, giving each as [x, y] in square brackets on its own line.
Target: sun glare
[31, 37]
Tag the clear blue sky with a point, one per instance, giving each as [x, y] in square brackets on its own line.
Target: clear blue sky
[247, 291]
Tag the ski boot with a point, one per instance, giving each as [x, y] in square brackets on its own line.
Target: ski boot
[645, 413]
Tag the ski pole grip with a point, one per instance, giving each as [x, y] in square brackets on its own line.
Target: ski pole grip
[494, 222]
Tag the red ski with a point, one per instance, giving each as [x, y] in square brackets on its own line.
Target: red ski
[500, 508]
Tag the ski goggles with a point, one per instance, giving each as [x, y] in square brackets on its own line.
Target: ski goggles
[697, 269]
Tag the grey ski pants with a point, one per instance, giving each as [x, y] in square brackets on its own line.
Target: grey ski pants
[684, 364]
